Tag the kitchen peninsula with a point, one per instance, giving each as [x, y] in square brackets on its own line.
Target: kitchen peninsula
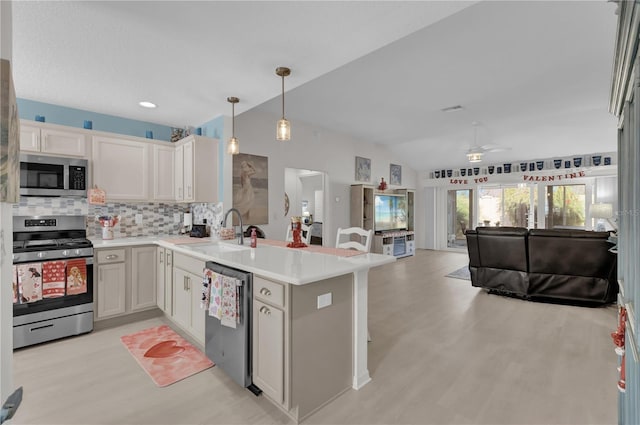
[309, 313]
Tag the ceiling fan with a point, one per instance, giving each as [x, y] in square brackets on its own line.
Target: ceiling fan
[475, 152]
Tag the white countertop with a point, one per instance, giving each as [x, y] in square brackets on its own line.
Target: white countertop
[293, 266]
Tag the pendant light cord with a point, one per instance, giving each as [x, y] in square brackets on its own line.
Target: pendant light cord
[282, 96]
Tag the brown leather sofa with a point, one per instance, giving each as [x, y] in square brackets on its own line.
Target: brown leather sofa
[572, 266]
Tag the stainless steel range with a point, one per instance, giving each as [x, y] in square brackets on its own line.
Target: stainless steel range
[52, 279]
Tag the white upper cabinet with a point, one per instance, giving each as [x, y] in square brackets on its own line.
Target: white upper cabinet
[121, 168]
[53, 141]
[179, 173]
[197, 158]
[164, 171]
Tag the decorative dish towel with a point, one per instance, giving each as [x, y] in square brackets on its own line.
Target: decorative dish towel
[76, 276]
[53, 279]
[230, 297]
[30, 282]
[206, 288]
[215, 298]
[14, 284]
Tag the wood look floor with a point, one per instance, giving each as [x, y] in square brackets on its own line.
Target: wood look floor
[443, 352]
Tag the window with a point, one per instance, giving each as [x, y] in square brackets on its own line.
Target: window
[566, 206]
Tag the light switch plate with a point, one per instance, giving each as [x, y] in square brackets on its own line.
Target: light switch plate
[324, 300]
[138, 218]
[176, 217]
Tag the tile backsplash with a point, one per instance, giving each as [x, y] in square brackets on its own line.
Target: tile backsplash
[157, 218]
[33, 205]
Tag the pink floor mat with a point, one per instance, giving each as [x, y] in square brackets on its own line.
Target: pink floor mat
[165, 355]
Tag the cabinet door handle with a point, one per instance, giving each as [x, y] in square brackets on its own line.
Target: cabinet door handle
[111, 257]
[184, 283]
[161, 258]
[265, 291]
[264, 310]
[188, 283]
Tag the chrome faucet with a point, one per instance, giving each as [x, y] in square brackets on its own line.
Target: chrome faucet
[224, 224]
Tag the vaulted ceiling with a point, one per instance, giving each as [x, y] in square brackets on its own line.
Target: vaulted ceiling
[535, 75]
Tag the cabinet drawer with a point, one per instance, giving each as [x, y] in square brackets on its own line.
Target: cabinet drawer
[107, 256]
[268, 291]
[187, 263]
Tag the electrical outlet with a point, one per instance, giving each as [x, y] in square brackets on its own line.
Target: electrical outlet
[324, 300]
[176, 218]
[138, 218]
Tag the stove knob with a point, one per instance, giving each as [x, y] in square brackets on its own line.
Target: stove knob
[42, 254]
[77, 251]
[65, 252]
[15, 257]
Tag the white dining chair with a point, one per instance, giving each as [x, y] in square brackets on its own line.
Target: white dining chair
[365, 246]
[346, 238]
[306, 234]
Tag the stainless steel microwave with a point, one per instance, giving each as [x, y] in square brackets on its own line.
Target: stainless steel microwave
[53, 176]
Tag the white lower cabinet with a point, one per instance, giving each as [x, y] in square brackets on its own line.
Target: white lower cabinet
[110, 278]
[143, 277]
[125, 280]
[164, 278]
[268, 350]
[111, 290]
[187, 295]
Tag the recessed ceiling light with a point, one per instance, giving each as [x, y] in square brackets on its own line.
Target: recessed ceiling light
[146, 104]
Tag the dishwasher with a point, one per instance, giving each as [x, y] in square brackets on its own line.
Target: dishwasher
[230, 348]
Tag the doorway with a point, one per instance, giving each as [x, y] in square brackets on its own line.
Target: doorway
[304, 197]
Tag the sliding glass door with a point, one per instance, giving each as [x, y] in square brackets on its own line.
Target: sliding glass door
[566, 206]
[507, 206]
[459, 215]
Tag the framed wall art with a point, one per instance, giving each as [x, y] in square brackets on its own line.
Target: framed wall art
[251, 188]
[395, 174]
[363, 169]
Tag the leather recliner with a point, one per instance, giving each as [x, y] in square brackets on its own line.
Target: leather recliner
[565, 265]
[572, 265]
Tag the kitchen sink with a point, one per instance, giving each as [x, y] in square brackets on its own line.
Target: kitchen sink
[219, 247]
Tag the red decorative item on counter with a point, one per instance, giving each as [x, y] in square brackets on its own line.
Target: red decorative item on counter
[296, 228]
[382, 185]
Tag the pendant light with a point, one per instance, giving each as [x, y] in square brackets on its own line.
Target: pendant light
[283, 128]
[233, 147]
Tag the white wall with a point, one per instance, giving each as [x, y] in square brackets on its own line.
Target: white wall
[311, 148]
[6, 230]
[310, 184]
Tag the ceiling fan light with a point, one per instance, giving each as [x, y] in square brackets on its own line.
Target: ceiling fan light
[283, 130]
[474, 156]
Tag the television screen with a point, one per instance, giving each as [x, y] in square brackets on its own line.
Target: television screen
[390, 213]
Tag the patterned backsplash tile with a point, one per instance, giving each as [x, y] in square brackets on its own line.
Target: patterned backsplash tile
[33, 205]
[157, 218]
